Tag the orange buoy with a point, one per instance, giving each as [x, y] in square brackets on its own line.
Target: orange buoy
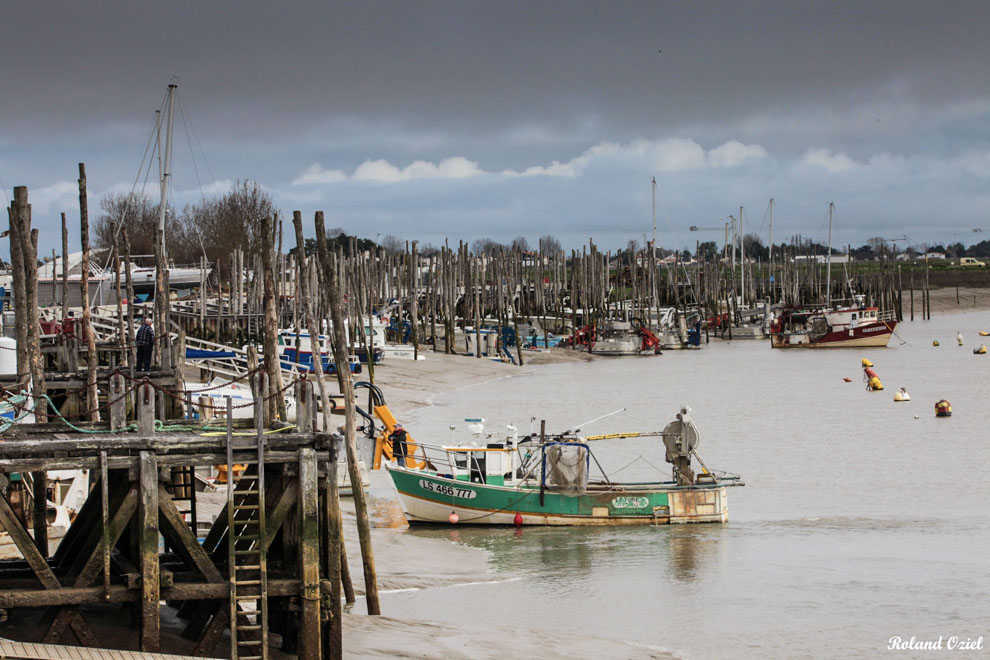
[453, 518]
[848, 380]
[518, 519]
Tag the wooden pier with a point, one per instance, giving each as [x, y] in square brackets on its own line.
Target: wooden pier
[267, 572]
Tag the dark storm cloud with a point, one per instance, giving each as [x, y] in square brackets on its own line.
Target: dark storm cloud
[463, 119]
[484, 66]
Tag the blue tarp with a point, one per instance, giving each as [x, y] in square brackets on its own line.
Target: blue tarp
[197, 354]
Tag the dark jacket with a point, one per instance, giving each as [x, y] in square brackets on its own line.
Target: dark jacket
[145, 336]
[398, 438]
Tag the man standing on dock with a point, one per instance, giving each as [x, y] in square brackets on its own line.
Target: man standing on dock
[145, 341]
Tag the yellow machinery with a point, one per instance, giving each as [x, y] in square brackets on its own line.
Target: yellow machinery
[383, 446]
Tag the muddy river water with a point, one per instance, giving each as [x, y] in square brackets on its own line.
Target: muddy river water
[864, 523]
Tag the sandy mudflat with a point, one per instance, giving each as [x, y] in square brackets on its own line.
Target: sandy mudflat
[949, 301]
[407, 384]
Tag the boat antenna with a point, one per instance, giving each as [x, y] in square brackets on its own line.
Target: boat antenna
[577, 428]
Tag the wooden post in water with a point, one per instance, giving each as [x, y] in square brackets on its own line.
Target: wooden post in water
[92, 401]
[339, 344]
[414, 298]
[912, 294]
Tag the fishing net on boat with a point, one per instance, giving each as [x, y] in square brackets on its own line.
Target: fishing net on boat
[567, 467]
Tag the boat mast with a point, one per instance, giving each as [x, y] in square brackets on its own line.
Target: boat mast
[771, 237]
[742, 258]
[654, 186]
[161, 285]
[653, 251]
[167, 172]
[828, 259]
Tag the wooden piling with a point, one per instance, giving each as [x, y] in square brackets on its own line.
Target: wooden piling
[92, 401]
[332, 286]
[150, 630]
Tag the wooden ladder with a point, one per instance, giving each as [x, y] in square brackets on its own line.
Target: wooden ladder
[246, 545]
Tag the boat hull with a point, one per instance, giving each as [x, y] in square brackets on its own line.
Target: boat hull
[427, 497]
[874, 335]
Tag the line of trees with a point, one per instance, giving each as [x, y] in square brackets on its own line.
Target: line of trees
[214, 227]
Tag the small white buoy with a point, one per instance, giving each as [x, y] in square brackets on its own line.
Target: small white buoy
[917, 416]
[959, 338]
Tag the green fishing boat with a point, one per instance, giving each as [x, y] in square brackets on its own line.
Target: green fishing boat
[556, 480]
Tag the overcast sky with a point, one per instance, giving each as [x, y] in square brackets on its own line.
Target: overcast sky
[463, 120]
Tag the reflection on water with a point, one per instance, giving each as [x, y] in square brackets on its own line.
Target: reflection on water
[669, 552]
[861, 518]
[691, 551]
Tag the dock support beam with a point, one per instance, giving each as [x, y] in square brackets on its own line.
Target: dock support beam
[150, 639]
[309, 556]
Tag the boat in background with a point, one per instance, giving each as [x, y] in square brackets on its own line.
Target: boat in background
[548, 480]
[840, 326]
[854, 326]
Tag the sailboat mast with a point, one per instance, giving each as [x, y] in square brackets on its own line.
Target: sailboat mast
[161, 281]
[828, 258]
[653, 251]
[742, 257]
[167, 171]
[771, 248]
[654, 186]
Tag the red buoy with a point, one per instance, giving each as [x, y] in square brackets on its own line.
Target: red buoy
[518, 519]
[848, 380]
[453, 517]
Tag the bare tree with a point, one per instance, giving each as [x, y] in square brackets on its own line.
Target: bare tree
[549, 244]
[136, 212]
[520, 244]
[429, 250]
[233, 220]
[486, 246]
[393, 244]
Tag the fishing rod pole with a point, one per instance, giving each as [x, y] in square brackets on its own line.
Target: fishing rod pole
[592, 421]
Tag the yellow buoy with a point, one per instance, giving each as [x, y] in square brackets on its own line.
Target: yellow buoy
[984, 333]
[934, 342]
[902, 395]
[981, 350]
[867, 363]
[875, 384]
